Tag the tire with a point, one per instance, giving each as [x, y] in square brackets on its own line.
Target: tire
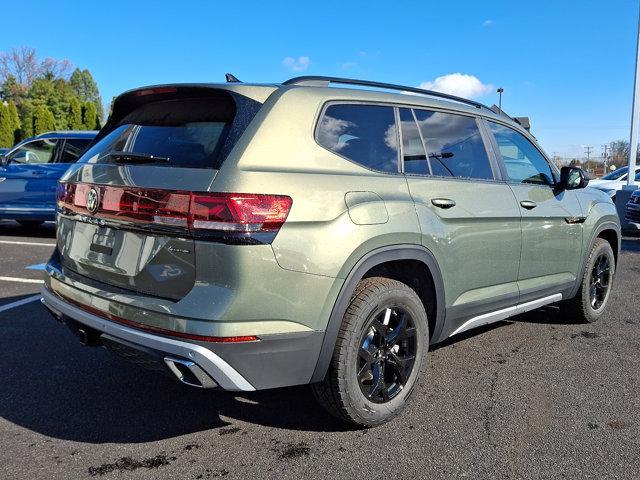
[30, 223]
[357, 399]
[582, 308]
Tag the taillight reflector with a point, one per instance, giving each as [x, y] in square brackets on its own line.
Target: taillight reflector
[162, 331]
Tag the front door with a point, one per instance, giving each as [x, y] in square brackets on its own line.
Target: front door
[551, 219]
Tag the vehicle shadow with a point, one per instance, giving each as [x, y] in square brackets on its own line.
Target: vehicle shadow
[10, 228]
[53, 385]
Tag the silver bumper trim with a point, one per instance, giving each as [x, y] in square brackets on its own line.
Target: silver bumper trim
[223, 373]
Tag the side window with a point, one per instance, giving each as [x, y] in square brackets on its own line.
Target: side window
[413, 154]
[523, 161]
[38, 151]
[73, 149]
[365, 134]
[454, 145]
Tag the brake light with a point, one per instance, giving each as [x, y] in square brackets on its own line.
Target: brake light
[238, 212]
[228, 214]
[155, 91]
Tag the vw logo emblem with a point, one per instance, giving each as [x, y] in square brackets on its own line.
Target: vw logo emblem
[92, 200]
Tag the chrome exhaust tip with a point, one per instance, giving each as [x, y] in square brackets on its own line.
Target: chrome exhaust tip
[189, 373]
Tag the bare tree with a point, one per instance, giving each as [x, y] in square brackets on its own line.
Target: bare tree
[23, 65]
[52, 68]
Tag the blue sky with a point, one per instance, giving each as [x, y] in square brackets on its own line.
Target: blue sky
[566, 64]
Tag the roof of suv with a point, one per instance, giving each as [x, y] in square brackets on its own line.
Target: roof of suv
[372, 92]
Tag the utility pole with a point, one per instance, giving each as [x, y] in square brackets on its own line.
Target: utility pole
[635, 113]
[500, 90]
[605, 157]
[588, 149]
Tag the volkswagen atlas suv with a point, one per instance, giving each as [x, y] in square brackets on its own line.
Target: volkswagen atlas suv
[244, 236]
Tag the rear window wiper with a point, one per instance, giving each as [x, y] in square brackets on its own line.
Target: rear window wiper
[131, 157]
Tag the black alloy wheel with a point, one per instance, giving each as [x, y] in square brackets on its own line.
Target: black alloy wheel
[387, 354]
[600, 281]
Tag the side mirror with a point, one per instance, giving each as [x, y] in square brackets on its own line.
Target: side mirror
[4, 161]
[572, 178]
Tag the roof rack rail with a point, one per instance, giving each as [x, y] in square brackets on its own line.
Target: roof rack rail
[321, 81]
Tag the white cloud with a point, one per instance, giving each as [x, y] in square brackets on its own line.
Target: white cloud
[488, 23]
[460, 84]
[297, 64]
[348, 65]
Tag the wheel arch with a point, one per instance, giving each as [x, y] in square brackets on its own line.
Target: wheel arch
[609, 231]
[368, 263]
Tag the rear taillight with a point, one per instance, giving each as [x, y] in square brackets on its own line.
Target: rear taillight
[225, 215]
[238, 212]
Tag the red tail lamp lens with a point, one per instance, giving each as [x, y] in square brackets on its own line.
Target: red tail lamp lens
[222, 212]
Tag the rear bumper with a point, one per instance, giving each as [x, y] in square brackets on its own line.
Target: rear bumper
[273, 361]
[215, 367]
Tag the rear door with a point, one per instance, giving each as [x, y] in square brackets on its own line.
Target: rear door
[27, 182]
[466, 213]
[551, 219]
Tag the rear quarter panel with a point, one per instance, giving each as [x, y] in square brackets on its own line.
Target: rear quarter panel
[278, 154]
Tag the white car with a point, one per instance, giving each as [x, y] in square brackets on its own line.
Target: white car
[614, 181]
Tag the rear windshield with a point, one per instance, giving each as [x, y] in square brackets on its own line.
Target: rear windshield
[187, 133]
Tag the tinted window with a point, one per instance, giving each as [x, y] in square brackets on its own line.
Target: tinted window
[523, 161]
[38, 151]
[365, 134]
[73, 149]
[189, 133]
[454, 145]
[413, 153]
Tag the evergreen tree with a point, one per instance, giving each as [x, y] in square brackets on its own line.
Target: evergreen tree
[75, 114]
[11, 90]
[89, 116]
[14, 122]
[6, 133]
[85, 87]
[25, 112]
[43, 120]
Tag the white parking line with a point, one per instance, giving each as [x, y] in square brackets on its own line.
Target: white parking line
[21, 280]
[24, 301]
[16, 242]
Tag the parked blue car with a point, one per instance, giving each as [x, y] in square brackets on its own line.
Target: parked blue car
[30, 170]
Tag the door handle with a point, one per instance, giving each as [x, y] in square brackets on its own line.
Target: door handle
[528, 204]
[37, 172]
[443, 203]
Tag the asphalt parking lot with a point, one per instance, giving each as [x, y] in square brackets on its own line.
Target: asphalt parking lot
[535, 397]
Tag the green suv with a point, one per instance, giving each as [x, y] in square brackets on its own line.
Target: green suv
[244, 236]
